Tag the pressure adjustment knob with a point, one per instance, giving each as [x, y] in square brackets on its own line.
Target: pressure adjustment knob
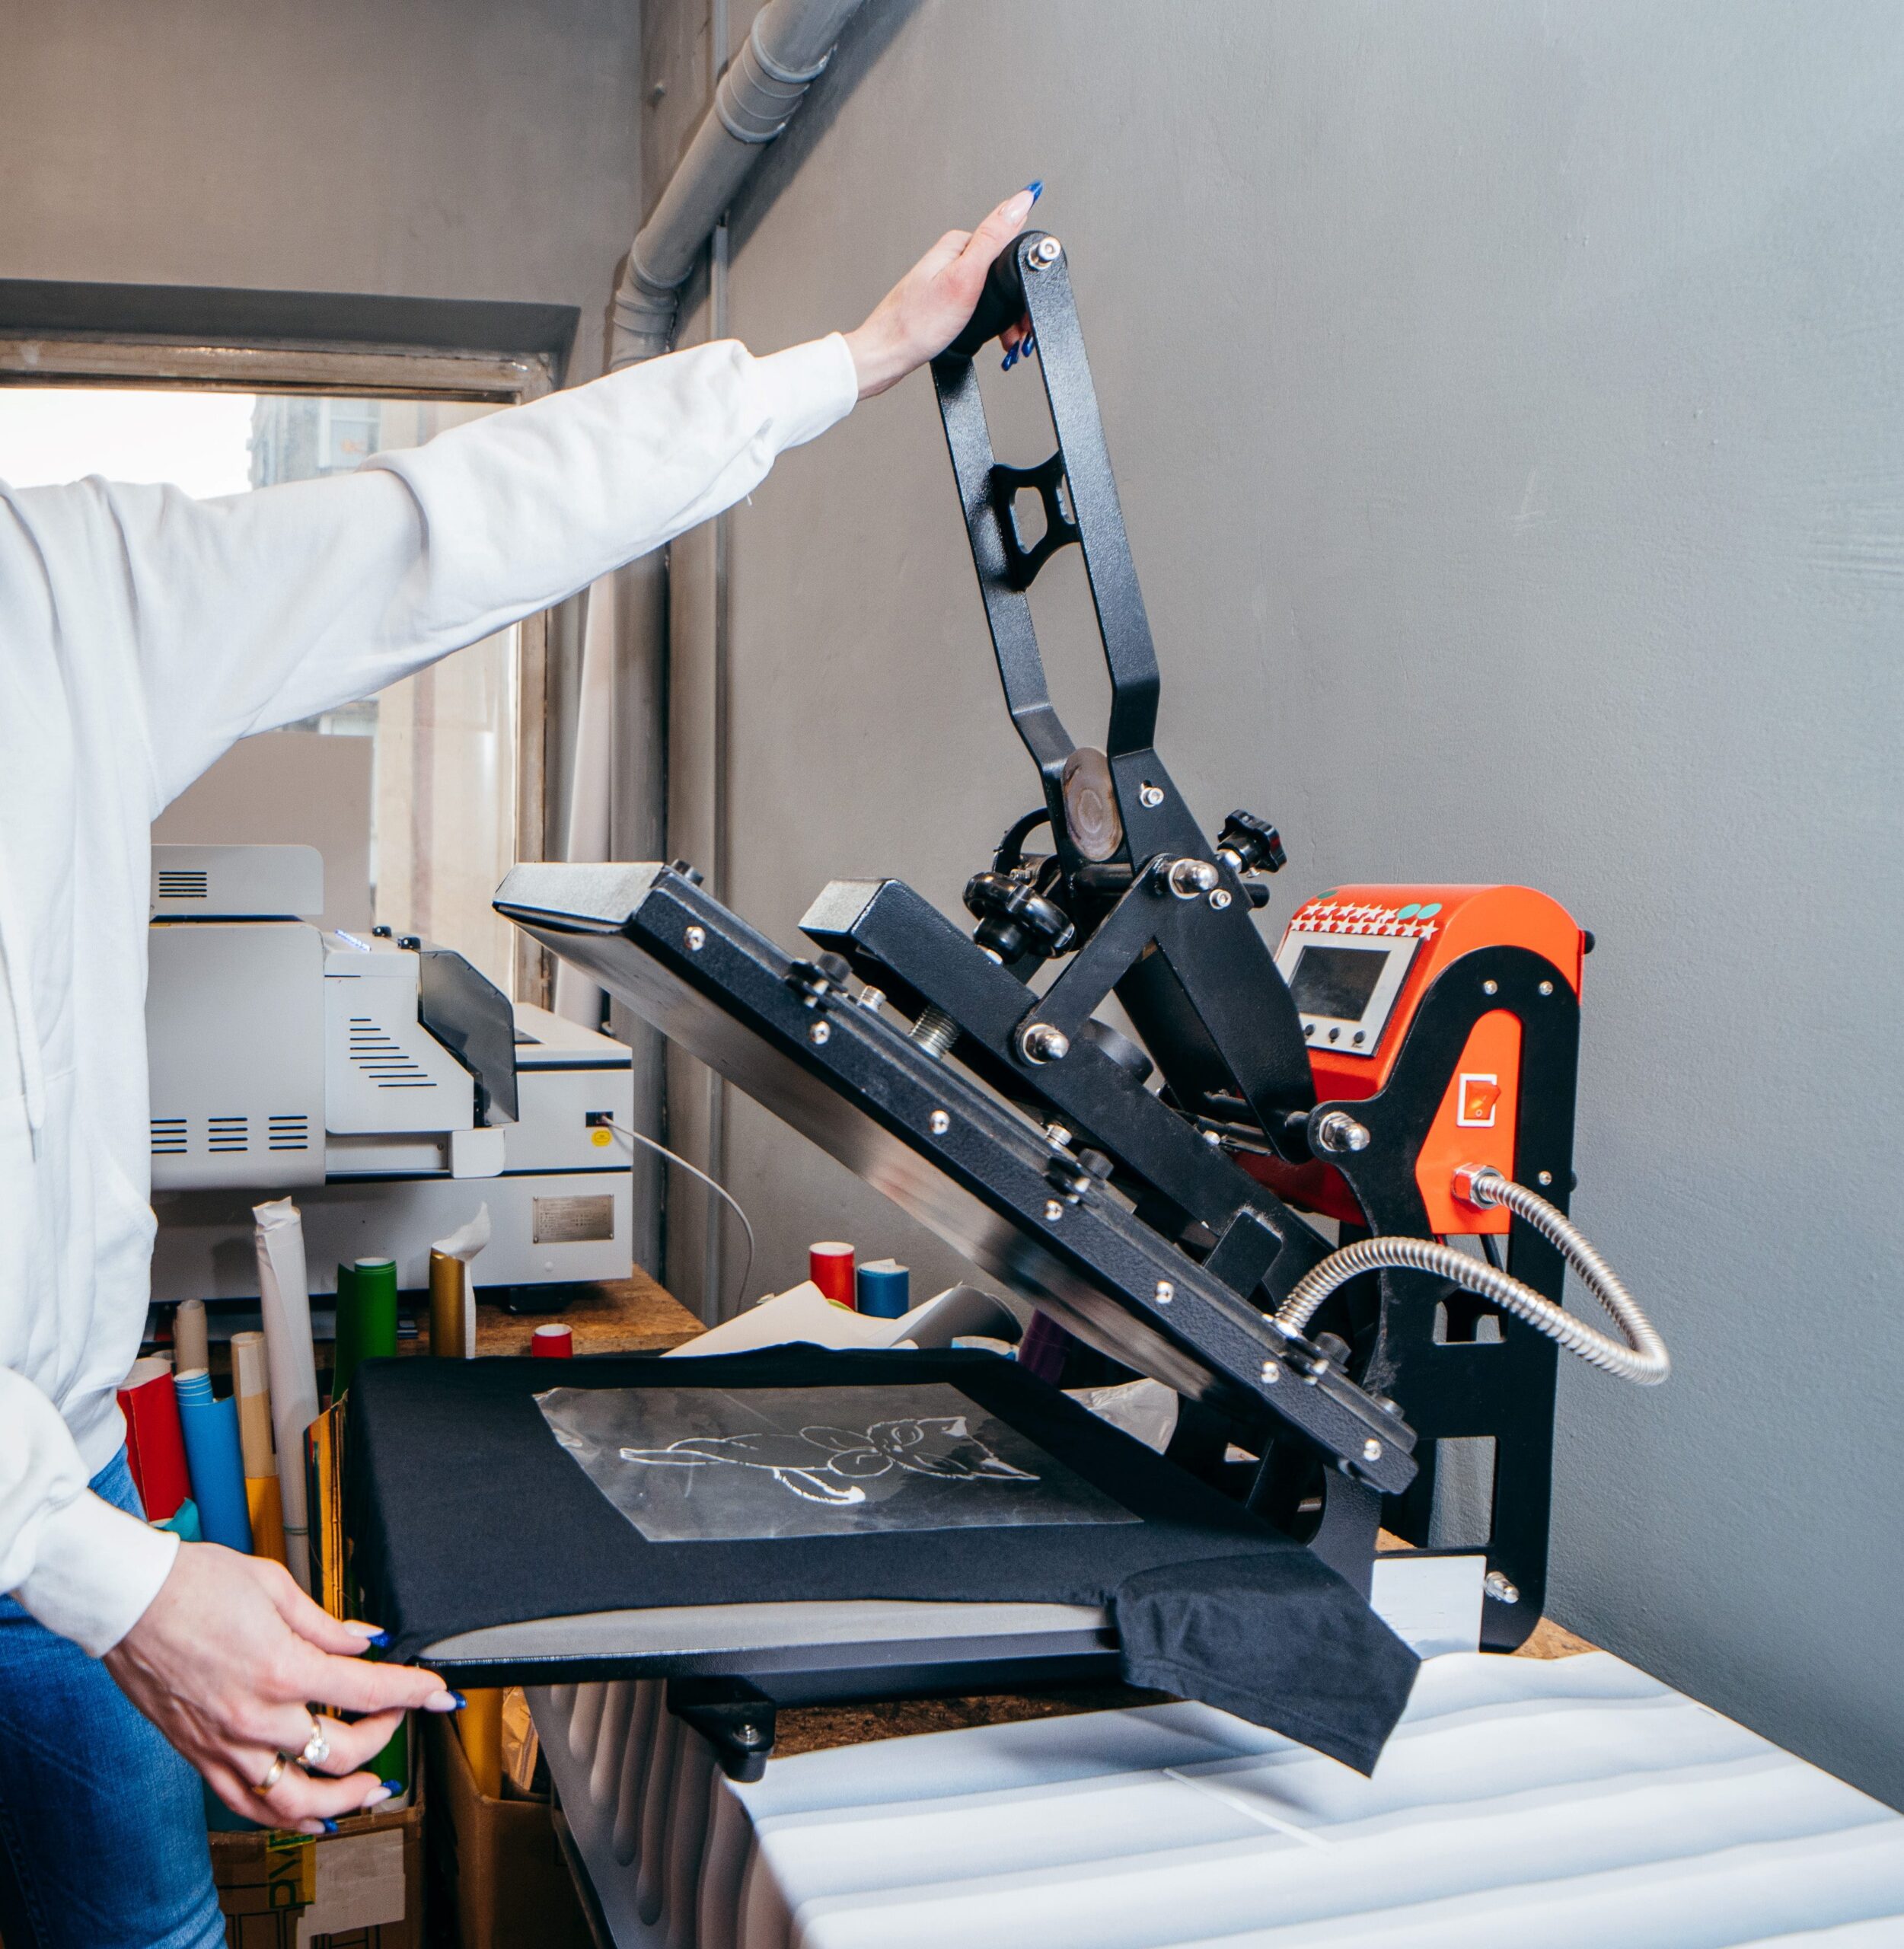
[1015, 920]
[1254, 845]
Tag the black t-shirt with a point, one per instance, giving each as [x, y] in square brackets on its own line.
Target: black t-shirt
[472, 1503]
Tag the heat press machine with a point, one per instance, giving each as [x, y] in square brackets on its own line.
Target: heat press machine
[380, 1079]
[1319, 1190]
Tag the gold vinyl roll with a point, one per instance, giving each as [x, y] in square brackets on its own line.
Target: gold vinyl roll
[480, 1725]
[249, 1382]
[448, 1339]
[266, 1505]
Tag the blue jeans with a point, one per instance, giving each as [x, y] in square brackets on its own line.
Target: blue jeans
[102, 1825]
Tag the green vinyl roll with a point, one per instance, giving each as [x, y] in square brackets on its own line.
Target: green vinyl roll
[366, 1317]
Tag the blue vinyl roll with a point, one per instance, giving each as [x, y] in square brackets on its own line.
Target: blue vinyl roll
[216, 1461]
[884, 1290]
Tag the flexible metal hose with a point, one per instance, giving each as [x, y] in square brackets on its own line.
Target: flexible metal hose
[1641, 1357]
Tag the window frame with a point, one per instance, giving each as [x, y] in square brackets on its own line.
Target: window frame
[199, 364]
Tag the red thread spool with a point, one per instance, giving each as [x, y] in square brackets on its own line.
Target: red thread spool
[552, 1342]
[829, 1265]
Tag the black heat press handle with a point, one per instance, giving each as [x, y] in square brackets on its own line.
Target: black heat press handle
[1001, 303]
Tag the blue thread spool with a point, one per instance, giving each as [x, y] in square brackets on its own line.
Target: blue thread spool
[884, 1290]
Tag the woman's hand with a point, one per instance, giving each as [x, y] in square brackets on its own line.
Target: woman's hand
[928, 307]
[225, 1662]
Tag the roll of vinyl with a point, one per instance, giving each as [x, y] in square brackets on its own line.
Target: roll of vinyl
[551, 1341]
[154, 1443]
[183, 1523]
[479, 1726]
[191, 1343]
[366, 1317]
[212, 1447]
[265, 1506]
[284, 1298]
[449, 1334]
[884, 1289]
[829, 1266]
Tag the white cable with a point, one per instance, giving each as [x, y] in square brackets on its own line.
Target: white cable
[695, 1171]
[1641, 1358]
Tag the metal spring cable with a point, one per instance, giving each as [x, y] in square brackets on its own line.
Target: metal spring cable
[1642, 1358]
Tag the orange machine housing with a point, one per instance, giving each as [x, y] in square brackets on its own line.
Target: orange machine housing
[1478, 1117]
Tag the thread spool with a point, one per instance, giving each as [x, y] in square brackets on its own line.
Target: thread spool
[551, 1341]
[829, 1265]
[884, 1289]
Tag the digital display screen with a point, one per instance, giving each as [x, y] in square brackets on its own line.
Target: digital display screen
[1338, 981]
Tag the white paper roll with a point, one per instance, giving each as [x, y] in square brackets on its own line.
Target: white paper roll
[284, 1290]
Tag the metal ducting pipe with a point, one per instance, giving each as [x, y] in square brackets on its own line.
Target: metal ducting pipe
[786, 51]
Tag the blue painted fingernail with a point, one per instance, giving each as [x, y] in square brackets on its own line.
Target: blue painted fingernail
[380, 1641]
[1036, 186]
[461, 1701]
[1010, 359]
[331, 1826]
[393, 1786]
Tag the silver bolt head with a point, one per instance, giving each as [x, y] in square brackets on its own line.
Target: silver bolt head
[1041, 1043]
[1166, 1292]
[696, 938]
[872, 1000]
[1189, 877]
[1046, 252]
[1339, 1131]
[1498, 1586]
[746, 1735]
[1491, 988]
[1219, 899]
[1212, 1138]
[1544, 1178]
[1371, 1450]
[820, 1032]
[939, 1123]
[1058, 1136]
[1547, 987]
[1150, 796]
[1054, 1210]
[1272, 1372]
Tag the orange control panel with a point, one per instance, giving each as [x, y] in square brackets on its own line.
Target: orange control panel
[1358, 962]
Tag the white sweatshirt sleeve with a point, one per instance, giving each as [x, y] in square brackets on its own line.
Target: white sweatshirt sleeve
[257, 610]
[82, 1567]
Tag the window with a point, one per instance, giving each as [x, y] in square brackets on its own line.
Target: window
[451, 801]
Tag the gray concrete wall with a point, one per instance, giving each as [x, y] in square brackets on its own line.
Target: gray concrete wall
[1506, 403]
[444, 148]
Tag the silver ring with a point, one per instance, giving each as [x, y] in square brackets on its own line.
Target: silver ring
[316, 1748]
[277, 1773]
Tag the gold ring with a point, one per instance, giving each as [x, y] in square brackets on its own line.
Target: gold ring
[277, 1773]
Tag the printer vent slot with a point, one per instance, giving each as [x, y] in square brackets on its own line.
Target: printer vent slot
[228, 1134]
[184, 883]
[287, 1134]
[168, 1137]
[383, 1059]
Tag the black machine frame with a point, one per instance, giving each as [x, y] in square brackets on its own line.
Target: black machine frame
[1027, 1132]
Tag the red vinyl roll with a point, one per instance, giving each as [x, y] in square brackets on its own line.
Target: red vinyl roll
[154, 1443]
[829, 1265]
[553, 1341]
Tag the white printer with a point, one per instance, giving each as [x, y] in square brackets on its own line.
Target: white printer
[384, 1083]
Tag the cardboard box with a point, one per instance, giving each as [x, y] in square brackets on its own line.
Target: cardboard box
[360, 1888]
[495, 1864]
